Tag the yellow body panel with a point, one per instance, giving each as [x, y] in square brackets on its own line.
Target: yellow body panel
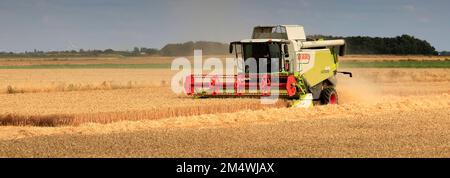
[324, 67]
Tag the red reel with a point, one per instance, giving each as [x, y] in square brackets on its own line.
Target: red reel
[265, 85]
[213, 85]
[189, 85]
[239, 84]
[291, 87]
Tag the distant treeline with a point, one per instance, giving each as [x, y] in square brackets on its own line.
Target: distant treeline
[400, 45]
[179, 49]
[186, 49]
[83, 53]
[444, 53]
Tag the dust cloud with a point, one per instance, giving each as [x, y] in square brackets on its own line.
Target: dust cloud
[358, 89]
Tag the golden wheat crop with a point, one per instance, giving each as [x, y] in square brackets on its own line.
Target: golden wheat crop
[50, 80]
[51, 97]
[382, 113]
[148, 100]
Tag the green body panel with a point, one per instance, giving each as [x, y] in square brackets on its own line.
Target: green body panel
[324, 67]
[300, 83]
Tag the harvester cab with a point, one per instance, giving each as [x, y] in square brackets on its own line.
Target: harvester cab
[278, 59]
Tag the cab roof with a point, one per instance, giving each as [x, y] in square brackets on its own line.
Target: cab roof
[287, 32]
[263, 40]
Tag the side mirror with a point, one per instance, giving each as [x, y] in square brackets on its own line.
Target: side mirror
[286, 50]
[231, 48]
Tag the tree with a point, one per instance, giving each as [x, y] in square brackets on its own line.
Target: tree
[136, 50]
[187, 49]
[401, 45]
[109, 51]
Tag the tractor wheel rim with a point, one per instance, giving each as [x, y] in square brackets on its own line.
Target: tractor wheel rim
[333, 99]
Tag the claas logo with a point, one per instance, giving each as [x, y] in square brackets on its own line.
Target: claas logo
[303, 58]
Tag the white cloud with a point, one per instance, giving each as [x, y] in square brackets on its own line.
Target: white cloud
[424, 19]
[409, 7]
[45, 19]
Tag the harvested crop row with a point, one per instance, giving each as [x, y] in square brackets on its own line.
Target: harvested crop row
[53, 120]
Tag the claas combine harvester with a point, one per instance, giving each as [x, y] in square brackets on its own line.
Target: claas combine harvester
[295, 68]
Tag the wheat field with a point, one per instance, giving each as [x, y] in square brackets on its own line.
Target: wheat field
[382, 113]
[149, 96]
[71, 97]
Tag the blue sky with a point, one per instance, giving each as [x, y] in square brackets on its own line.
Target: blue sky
[121, 24]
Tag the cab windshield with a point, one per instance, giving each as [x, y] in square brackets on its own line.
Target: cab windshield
[263, 52]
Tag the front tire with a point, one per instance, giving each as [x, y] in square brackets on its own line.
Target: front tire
[328, 96]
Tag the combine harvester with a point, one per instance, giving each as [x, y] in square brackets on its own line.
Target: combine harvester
[303, 70]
